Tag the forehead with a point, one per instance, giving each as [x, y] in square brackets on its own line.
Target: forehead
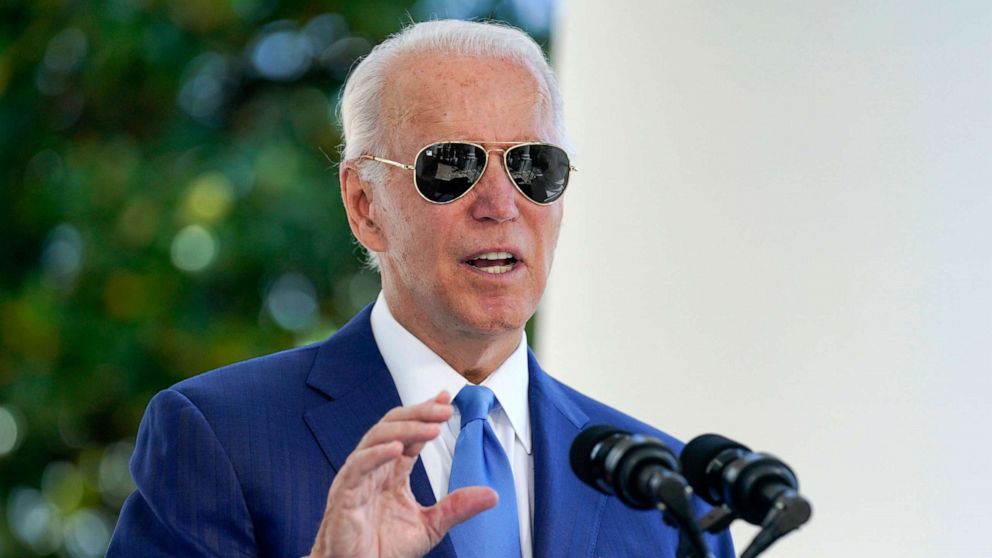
[434, 97]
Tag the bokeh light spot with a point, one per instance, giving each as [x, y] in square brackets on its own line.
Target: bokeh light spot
[535, 16]
[209, 198]
[292, 302]
[452, 9]
[87, 534]
[240, 173]
[34, 520]
[62, 485]
[50, 83]
[339, 57]
[114, 477]
[324, 29]
[281, 55]
[9, 431]
[193, 249]
[205, 87]
[66, 51]
[62, 257]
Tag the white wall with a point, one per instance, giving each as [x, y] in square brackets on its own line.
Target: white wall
[782, 231]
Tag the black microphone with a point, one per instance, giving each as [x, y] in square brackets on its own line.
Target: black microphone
[756, 487]
[641, 470]
[617, 462]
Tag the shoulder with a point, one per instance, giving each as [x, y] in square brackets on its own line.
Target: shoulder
[270, 379]
[264, 381]
[238, 416]
[601, 413]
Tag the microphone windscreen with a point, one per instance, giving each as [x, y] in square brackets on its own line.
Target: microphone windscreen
[697, 455]
[580, 455]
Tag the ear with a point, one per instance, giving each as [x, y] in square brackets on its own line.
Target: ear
[357, 197]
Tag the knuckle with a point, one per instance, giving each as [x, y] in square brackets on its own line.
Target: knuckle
[398, 411]
[378, 430]
[349, 461]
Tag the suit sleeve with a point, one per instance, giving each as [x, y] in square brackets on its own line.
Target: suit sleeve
[721, 544]
[188, 500]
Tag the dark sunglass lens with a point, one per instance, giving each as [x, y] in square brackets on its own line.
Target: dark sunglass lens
[540, 170]
[445, 171]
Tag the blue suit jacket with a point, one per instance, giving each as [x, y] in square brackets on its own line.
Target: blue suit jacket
[238, 461]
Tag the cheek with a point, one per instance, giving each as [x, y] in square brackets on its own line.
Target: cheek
[421, 240]
[396, 219]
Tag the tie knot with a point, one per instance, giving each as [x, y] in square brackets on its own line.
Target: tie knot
[474, 403]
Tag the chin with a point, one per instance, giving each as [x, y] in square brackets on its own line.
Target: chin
[494, 318]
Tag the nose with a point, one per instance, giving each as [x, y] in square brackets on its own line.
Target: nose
[496, 197]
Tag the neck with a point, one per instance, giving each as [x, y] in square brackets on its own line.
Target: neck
[473, 355]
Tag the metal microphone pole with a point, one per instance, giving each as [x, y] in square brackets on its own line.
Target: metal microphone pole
[674, 501]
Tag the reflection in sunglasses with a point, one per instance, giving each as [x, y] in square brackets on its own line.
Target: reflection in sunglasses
[522, 166]
[455, 162]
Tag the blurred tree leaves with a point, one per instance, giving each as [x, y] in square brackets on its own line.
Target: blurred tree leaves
[165, 209]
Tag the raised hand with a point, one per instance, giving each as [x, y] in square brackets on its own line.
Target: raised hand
[371, 511]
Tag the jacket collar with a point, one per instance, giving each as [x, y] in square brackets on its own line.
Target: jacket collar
[567, 513]
[350, 371]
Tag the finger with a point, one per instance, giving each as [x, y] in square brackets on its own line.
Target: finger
[413, 450]
[444, 398]
[458, 506]
[428, 411]
[436, 409]
[363, 461]
[406, 432]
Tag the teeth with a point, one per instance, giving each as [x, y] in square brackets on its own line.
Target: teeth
[497, 269]
[494, 256]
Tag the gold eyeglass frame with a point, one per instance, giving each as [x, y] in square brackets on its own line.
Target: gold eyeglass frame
[477, 143]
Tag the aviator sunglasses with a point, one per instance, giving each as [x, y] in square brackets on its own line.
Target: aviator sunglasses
[445, 171]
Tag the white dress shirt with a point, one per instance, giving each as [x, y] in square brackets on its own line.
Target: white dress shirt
[419, 374]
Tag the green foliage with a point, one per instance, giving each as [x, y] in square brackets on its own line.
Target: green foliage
[165, 209]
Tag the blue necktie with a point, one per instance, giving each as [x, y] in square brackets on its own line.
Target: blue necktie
[479, 460]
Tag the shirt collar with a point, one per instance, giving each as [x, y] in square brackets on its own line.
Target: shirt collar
[419, 373]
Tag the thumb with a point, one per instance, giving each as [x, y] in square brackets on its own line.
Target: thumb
[458, 506]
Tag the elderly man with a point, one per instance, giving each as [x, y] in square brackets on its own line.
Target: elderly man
[424, 426]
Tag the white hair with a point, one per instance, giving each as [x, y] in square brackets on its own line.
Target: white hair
[360, 108]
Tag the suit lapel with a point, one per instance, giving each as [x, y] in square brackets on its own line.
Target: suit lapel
[567, 513]
[350, 370]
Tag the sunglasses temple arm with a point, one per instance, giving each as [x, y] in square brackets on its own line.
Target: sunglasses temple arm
[387, 161]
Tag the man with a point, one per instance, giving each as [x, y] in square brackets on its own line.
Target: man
[451, 177]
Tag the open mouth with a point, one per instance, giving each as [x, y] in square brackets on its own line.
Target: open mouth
[493, 262]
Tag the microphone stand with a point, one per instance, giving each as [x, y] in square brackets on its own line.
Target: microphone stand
[675, 504]
[789, 512]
